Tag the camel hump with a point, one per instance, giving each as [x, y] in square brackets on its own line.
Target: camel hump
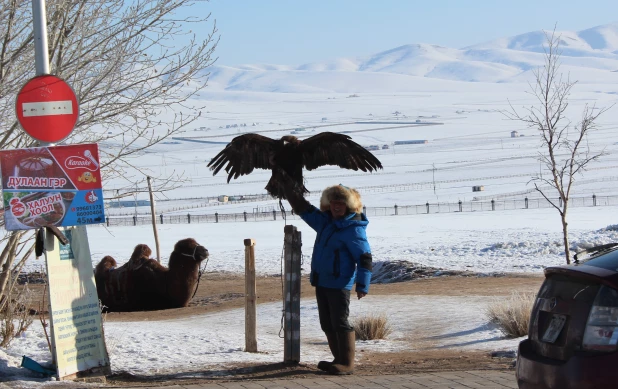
[153, 265]
[107, 263]
[136, 263]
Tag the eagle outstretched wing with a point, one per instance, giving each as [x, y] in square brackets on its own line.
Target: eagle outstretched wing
[329, 148]
[243, 154]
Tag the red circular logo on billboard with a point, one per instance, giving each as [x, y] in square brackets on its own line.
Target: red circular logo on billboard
[47, 108]
[18, 209]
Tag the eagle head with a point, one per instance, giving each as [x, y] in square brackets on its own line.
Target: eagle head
[289, 139]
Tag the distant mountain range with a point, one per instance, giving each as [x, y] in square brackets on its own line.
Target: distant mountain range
[589, 56]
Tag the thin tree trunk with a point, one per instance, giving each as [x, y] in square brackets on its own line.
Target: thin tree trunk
[565, 235]
[8, 256]
[19, 266]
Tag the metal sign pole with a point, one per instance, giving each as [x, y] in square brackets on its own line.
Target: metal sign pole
[41, 66]
[41, 52]
[39, 20]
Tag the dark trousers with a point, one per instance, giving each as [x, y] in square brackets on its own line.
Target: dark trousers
[334, 309]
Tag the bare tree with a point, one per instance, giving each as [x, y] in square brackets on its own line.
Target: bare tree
[135, 67]
[565, 152]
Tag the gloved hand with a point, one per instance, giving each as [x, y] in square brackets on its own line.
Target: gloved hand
[293, 193]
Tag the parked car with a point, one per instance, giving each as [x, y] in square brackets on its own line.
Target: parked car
[573, 331]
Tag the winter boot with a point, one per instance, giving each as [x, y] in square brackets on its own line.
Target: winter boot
[334, 349]
[346, 342]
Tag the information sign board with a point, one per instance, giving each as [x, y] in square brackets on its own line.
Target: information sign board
[77, 330]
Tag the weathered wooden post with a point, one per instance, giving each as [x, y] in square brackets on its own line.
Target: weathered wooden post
[250, 298]
[291, 295]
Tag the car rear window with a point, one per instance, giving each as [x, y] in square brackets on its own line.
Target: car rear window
[607, 261]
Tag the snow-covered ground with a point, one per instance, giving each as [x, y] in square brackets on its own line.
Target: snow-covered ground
[498, 241]
[510, 241]
[471, 146]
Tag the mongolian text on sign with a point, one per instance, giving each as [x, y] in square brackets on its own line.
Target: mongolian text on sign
[51, 186]
[77, 335]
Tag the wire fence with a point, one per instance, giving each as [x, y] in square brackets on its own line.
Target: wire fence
[427, 208]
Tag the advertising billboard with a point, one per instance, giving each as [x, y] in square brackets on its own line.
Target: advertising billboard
[51, 186]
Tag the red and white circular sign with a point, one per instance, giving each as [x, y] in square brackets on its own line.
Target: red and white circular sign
[47, 108]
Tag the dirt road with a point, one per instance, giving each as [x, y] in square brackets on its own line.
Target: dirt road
[219, 291]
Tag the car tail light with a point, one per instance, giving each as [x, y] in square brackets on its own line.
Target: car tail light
[601, 332]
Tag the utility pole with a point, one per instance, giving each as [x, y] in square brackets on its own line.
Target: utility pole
[434, 177]
[154, 218]
[135, 199]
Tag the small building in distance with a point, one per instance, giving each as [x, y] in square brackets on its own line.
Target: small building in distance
[128, 203]
[478, 188]
[514, 134]
[411, 142]
[222, 199]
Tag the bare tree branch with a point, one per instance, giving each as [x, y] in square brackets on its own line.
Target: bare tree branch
[563, 153]
[134, 66]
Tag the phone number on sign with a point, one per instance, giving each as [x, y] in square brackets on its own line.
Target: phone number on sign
[89, 208]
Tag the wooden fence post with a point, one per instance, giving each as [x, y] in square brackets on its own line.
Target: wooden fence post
[291, 295]
[250, 298]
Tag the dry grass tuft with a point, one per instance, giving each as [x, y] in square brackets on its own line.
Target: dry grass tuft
[371, 327]
[512, 314]
[15, 317]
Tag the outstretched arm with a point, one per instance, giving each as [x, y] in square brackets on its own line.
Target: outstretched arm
[310, 214]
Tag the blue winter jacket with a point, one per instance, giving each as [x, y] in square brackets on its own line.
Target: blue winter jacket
[340, 246]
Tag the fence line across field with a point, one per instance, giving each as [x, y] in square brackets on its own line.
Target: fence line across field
[427, 208]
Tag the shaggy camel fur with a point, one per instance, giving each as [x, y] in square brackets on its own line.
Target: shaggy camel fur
[144, 284]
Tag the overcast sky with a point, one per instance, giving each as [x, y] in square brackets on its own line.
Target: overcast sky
[294, 32]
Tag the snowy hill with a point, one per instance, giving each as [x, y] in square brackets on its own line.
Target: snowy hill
[590, 56]
[589, 42]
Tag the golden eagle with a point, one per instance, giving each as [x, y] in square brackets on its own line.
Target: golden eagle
[289, 155]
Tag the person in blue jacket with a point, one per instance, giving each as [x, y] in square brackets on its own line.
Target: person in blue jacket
[341, 257]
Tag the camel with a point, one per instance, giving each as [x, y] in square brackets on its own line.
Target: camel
[143, 284]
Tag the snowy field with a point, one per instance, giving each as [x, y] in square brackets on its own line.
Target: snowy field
[487, 242]
[469, 143]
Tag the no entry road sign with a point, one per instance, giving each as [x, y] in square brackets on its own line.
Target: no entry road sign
[47, 108]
